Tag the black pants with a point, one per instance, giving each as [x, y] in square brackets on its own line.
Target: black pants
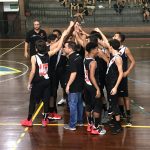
[113, 103]
[92, 103]
[58, 76]
[40, 91]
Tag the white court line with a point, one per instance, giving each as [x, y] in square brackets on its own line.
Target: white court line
[11, 49]
[27, 68]
[5, 48]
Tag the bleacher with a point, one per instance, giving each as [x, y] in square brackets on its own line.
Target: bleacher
[52, 13]
[49, 12]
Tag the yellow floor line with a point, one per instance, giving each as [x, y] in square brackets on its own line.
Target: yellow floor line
[38, 110]
[22, 135]
[61, 124]
[126, 126]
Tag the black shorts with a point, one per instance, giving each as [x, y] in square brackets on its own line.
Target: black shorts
[52, 87]
[60, 77]
[40, 90]
[101, 90]
[92, 103]
[102, 81]
[123, 88]
[113, 100]
[113, 104]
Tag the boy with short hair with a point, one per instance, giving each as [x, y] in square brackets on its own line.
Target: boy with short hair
[92, 91]
[39, 79]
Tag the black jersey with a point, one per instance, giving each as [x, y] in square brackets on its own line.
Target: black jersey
[80, 50]
[112, 72]
[87, 62]
[32, 37]
[42, 66]
[102, 67]
[124, 57]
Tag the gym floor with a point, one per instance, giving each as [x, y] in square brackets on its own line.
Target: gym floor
[14, 101]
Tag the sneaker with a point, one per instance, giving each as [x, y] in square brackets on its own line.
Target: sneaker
[128, 121]
[54, 116]
[79, 124]
[84, 104]
[89, 128]
[111, 122]
[115, 130]
[67, 127]
[44, 122]
[98, 131]
[110, 111]
[26, 123]
[61, 102]
[123, 116]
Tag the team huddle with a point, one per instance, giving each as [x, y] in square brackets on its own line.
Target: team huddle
[86, 65]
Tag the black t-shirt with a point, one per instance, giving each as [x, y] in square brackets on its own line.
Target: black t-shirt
[32, 37]
[75, 64]
[62, 62]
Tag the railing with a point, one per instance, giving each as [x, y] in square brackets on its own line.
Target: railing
[59, 17]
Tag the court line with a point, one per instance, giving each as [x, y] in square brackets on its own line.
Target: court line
[23, 39]
[11, 49]
[142, 109]
[143, 46]
[26, 129]
[59, 124]
[27, 68]
[9, 73]
[141, 39]
[140, 47]
[39, 108]
[22, 135]
[10, 68]
[11, 40]
[3, 48]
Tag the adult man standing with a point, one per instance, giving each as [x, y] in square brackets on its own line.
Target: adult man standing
[32, 36]
[74, 85]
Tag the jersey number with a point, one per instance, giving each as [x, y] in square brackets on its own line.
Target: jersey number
[43, 69]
